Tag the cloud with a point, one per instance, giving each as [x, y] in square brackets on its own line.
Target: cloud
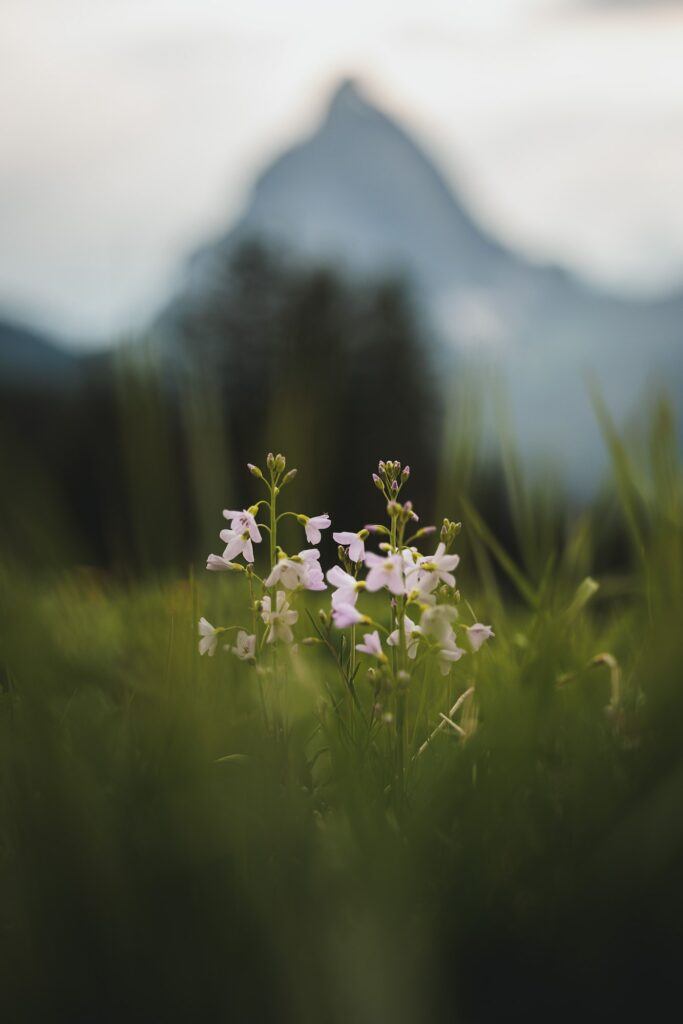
[644, 5]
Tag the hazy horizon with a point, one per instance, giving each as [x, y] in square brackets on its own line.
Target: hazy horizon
[134, 131]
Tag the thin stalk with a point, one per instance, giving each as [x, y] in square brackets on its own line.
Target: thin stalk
[254, 625]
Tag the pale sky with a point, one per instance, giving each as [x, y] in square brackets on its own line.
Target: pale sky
[131, 129]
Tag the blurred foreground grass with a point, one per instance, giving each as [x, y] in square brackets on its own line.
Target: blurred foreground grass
[163, 858]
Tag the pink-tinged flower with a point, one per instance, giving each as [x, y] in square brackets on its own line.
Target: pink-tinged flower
[303, 570]
[346, 589]
[354, 542]
[279, 619]
[209, 638]
[243, 522]
[478, 634]
[312, 576]
[245, 646]
[314, 525]
[287, 572]
[436, 623]
[447, 655]
[413, 634]
[436, 568]
[215, 563]
[372, 645]
[385, 572]
[237, 544]
[344, 615]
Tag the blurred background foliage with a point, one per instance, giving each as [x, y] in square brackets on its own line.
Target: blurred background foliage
[161, 856]
[128, 467]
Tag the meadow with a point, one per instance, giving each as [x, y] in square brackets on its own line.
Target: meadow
[182, 838]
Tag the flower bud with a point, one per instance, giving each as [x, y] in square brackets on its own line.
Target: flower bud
[324, 617]
[270, 460]
[449, 531]
[377, 482]
[377, 528]
[425, 531]
[254, 470]
[363, 534]
[381, 466]
[394, 487]
[280, 463]
[287, 479]
[393, 509]
[341, 553]
[406, 472]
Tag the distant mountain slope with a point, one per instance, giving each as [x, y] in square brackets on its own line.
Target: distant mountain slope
[360, 192]
[29, 358]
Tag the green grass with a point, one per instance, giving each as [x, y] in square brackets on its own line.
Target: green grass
[164, 855]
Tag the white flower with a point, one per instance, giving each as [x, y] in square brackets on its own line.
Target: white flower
[215, 563]
[436, 568]
[354, 542]
[412, 633]
[314, 525]
[436, 623]
[346, 590]
[301, 571]
[410, 558]
[411, 569]
[478, 634]
[209, 638]
[372, 645]
[447, 655]
[385, 572]
[312, 576]
[287, 572]
[237, 544]
[344, 615]
[278, 620]
[245, 645]
[243, 522]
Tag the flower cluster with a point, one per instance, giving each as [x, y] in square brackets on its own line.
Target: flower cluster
[272, 616]
[420, 620]
[422, 584]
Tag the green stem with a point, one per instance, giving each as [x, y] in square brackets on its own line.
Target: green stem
[273, 524]
[283, 514]
[272, 534]
[403, 654]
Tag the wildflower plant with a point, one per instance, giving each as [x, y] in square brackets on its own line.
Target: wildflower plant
[394, 610]
[271, 596]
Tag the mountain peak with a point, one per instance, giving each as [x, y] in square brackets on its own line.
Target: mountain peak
[361, 192]
[347, 98]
